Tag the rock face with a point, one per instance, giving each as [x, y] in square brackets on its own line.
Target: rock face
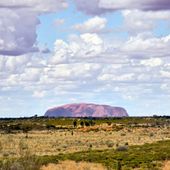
[86, 110]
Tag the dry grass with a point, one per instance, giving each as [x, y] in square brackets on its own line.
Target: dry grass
[71, 165]
[66, 141]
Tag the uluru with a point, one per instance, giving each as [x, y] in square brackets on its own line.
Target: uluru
[86, 110]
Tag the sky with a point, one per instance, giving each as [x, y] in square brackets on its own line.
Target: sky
[55, 52]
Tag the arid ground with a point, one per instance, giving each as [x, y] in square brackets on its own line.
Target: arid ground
[69, 138]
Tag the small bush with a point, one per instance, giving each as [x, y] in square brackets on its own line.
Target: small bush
[122, 148]
[109, 144]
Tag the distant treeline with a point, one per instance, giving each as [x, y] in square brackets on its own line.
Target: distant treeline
[90, 118]
[25, 124]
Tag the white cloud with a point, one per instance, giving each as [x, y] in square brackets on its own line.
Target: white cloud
[84, 67]
[38, 5]
[112, 77]
[79, 47]
[93, 25]
[11, 65]
[89, 66]
[135, 4]
[165, 87]
[136, 21]
[15, 37]
[147, 46]
[39, 94]
[165, 74]
[152, 62]
[103, 6]
[30, 74]
[91, 39]
[78, 60]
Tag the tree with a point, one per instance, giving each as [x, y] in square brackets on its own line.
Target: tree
[92, 123]
[82, 124]
[75, 123]
[49, 126]
[87, 123]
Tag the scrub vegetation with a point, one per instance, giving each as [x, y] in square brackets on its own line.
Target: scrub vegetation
[85, 143]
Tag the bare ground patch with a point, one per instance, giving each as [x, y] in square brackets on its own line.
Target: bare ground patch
[166, 165]
[71, 165]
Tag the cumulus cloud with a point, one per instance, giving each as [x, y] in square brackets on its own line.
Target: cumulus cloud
[88, 66]
[153, 62]
[12, 65]
[84, 46]
[37, 6]
[144, 45]
[165, 74]
[18, 22]
[77, 64]
[92, 25]
[91, 7]
[135, 4]
[102, 6]
[112, 77]
[136, 21]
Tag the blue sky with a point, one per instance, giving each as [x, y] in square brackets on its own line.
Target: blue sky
[56, 52]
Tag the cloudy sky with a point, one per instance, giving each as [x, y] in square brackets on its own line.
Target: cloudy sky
[54, 52]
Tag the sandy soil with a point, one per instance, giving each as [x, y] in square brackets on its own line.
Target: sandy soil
[166, 166]
[71, 165]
